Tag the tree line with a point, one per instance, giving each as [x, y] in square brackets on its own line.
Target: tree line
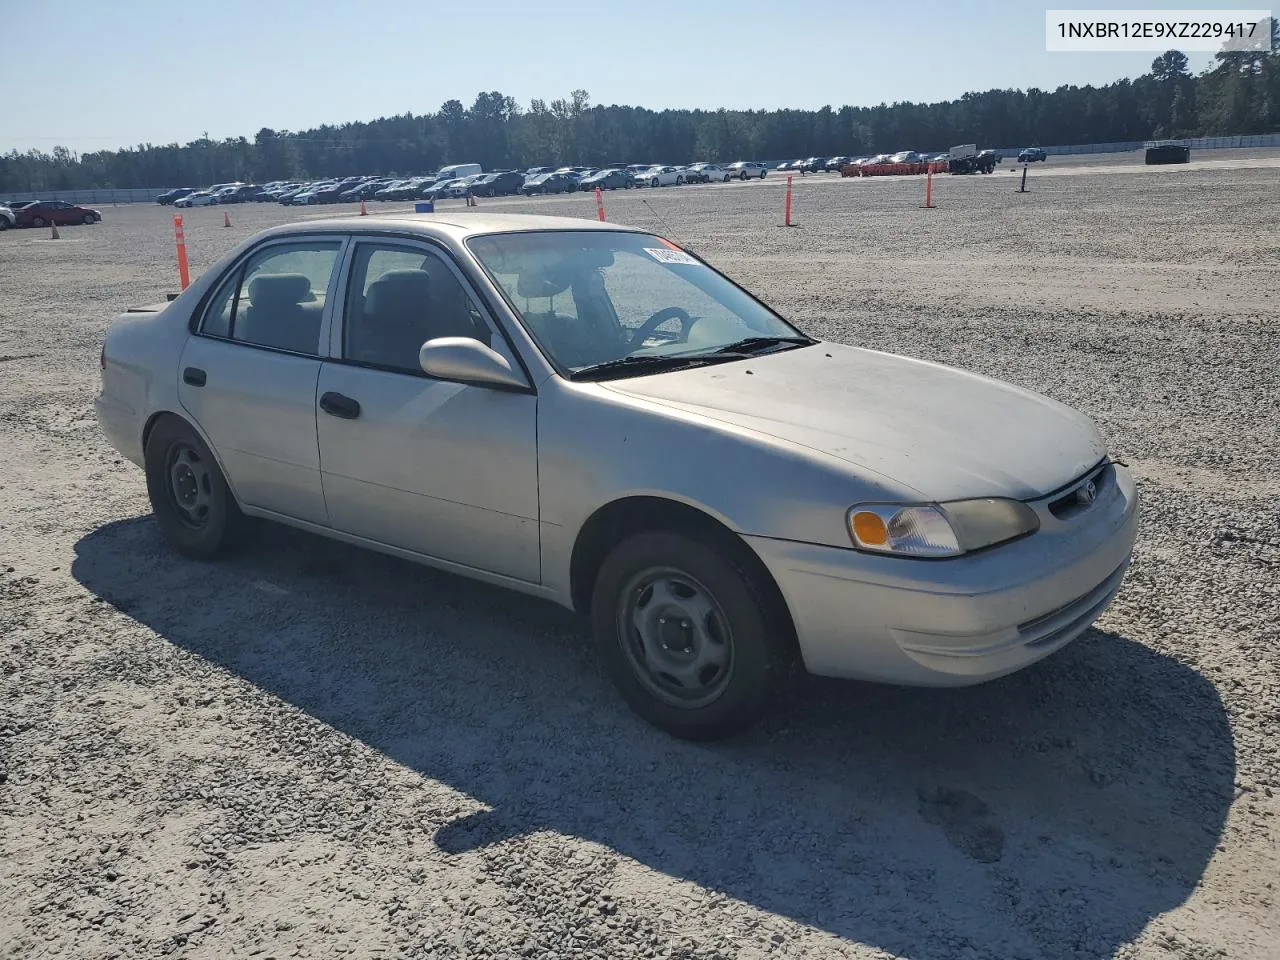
[1239, 94]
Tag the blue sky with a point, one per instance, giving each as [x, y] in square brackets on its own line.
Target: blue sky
[113, 74]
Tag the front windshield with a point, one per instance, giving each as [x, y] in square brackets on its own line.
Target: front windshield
[596, 297]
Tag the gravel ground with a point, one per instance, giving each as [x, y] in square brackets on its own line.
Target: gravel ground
[315, 751]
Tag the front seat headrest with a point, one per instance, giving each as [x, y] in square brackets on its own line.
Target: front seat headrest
[276, 290]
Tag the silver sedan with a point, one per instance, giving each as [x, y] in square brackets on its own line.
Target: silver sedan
[588, 413]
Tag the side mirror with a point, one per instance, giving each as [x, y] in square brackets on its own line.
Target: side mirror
[466, 360]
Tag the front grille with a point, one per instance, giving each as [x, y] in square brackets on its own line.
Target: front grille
[1076, 499]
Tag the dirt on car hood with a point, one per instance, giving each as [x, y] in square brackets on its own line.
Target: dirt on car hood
[946, 433]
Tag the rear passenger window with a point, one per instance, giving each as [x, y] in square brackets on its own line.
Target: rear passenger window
[276, 299]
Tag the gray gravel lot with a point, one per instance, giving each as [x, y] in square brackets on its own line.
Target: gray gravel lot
[314, 751]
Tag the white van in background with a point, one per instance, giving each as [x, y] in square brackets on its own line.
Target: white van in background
[457, 171]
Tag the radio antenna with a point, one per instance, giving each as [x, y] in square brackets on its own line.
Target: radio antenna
[665, 226]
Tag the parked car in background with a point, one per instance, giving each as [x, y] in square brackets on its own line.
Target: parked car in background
[402, 189]
[814, 165]
[538, 171]
[744, 169]
[241, 194]
[660, 176]
[7, 218]
[501, 184]
[41, 213]
[1032, 155]
[606, 180]
[707, 173]
[851, 511]
[550, 183]
[201, 198]
[435, 189]
[363, 191]
[460, 187]
[177, 193]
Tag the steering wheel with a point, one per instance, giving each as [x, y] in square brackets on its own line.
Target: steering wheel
[646, 329]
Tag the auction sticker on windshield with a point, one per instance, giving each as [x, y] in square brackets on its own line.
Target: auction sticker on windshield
[669, 256]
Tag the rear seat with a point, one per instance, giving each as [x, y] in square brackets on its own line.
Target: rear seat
[282, 313]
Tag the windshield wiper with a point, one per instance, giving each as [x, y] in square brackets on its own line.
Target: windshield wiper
[641, 364]
[752, 345]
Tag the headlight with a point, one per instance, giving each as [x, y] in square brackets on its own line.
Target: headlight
[939, 530]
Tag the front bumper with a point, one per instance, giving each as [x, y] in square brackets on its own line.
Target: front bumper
[961, 621]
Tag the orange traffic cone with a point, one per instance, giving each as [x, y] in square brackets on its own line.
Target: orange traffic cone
[363, 211]
[53, 231]
[226, 218]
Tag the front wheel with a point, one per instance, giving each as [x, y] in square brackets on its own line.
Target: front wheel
[653, 182]
[692, 639]
[189, 495]
[89, 218]
[38, 222]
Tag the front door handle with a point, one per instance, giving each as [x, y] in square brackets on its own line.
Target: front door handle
[194, 376]
[337, 405]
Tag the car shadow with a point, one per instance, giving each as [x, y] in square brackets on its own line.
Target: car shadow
[1053, 813]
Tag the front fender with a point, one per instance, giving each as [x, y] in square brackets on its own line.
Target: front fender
[596, 446]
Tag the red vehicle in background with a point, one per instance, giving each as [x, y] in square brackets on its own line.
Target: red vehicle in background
[41, 213]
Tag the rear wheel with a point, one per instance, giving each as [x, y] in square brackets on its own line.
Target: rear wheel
[38, 222]
[189, 495]
[693, 640]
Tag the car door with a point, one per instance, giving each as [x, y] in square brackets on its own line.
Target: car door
[447, 470]
[248, 374]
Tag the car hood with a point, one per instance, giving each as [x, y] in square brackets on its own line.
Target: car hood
[948, 434]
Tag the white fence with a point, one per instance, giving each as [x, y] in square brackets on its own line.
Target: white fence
[105, 195]
[1195, 143]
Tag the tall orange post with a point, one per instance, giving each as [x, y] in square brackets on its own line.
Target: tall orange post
[928, 190]
[788, 200]
[184, 274]
[599, 204]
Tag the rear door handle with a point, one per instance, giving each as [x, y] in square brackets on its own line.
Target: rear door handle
[337, 405]
[194, 376]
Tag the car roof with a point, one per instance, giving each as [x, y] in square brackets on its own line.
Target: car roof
[446, 225]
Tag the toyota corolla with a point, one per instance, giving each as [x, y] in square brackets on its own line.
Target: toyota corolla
[588, 413]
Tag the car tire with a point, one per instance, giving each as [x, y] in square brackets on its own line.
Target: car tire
[653, 182]
[38, 222]
[195, 508]
[742, 175]
[4, 224]
[745, 642]
[679, 181]
[90, 219]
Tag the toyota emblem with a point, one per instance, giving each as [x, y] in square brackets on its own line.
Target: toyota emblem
[1088, 493]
